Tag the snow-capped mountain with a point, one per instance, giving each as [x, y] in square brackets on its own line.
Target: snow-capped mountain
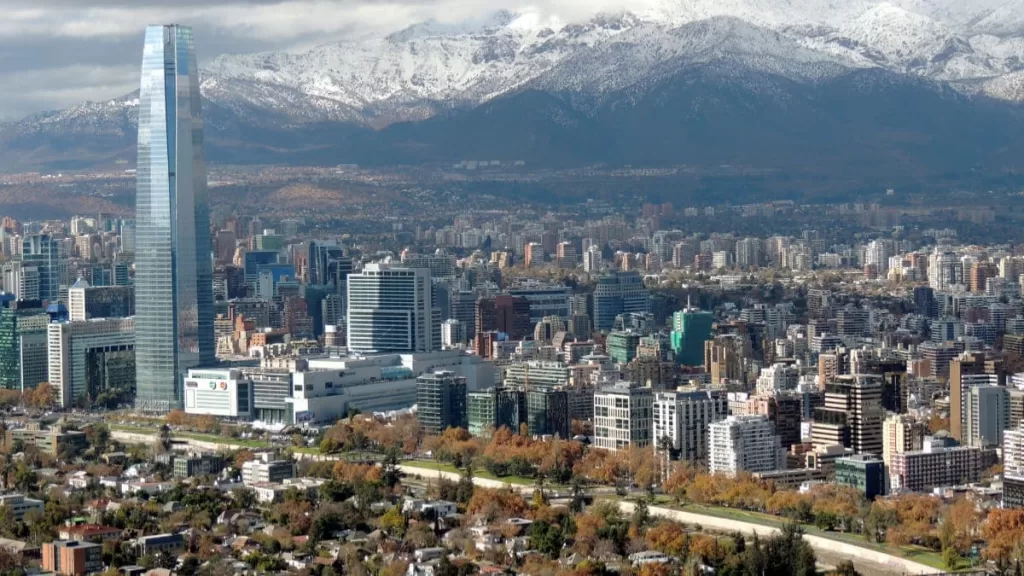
[435, 70]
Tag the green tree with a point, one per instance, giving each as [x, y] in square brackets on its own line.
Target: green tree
[393, 523]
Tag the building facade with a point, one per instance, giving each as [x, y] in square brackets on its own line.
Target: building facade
[441, 402]
[90, 357]
[173, 268]
[623, 417]
[682, 419]
[389, 310]
[744, 444]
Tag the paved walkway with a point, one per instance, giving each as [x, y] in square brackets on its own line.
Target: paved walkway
[892, 563]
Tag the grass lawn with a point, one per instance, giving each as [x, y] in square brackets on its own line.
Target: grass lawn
[442, 467]
[132, 429]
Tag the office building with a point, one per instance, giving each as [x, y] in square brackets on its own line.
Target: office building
[441, 402]
[22, 280]
[86, 302]
[19, 505]
[744, 444]
[547, 412]
[266, 469]
[496, 408]
[965, 372]
[934, 467]
[23, 347]
[592, 260]
[623, 417]
[865, 472]
[622, 345]
[618, 293]
[87, 358]
[533, 254]
[851, 416]
[690, 329]
[453, 334]
[72, 557]
[681, 421]
[225, 393]
[42, 252]
[545, 300]
[988, 416]
[506, 314]
[193, 465]
[173, 267]
[784, 410]
[778, 377]
[566, 255]
[389, 310]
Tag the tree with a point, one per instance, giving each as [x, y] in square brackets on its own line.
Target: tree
[189, 566]
[392, 523]
[165, 560]
[243, 456]
[845, 568]
[42, 396]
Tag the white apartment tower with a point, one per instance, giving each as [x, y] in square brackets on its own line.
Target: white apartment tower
[622, 416]
[682, 419]
[745, 444]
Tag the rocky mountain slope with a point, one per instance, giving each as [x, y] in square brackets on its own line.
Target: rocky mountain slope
[698, 65]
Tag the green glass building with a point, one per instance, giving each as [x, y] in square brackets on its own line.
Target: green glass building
[23, 348]
[622, 346]
[548, 413]
[865, 472]
[495, 408]
[690, 329]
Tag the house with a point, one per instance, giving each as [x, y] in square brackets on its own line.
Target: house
[89, 533]
[439, 508]
[153, 545]
[151, 488]
[428, 554]
[80, 480]
[648, 557]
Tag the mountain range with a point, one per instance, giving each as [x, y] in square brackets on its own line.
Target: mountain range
[908, 87]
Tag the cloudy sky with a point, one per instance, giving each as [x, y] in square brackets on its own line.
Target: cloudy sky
[54, 53]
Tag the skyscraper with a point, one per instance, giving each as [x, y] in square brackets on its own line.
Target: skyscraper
[690, 329]
[173, 272]
[389, 311]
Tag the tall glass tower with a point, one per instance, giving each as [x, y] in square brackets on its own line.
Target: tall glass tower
[173, 271]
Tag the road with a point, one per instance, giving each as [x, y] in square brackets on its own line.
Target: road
[867, 560]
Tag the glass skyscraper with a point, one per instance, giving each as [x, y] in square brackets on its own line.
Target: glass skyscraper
[173, 271]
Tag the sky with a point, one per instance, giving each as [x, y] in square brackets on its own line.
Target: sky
[56, 53]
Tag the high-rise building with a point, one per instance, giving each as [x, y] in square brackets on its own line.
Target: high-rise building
[744, 444]
[901, 433]
[865, 472]
[86, 302]
[566, 255]
[1013, 468]
[506, 314]
[681, 421]
[545, 300]
[690, 329]
[22, 280]
[441, 401]
[936, 466]
[784, 410]
[533, 254]
[592, 259]
[43, 252]
[623, 417]
[547, 412]
[987, 413]
[173, 268]
[495, 408]
[852, 415]
[23, 344]
[622, 345]
[389, 310]
[88, 358]
[453, 334]
[618, 293]
[965, 372]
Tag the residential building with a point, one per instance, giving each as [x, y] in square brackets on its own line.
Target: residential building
[173, 267]
[198, 465]
[935, 466]
[852, 415]
[988, 416]
[744, 444]
[389, 310]
[681, 421]
[901, 433]
[172, 544]
[441, 402]
[495, 408]
[1013, 468]
[52, 441]
[965, 372]
[19, 505]
[623, 417]
[89, 533]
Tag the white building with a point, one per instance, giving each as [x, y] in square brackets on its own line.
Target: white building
[745, 444]
[389, 310]
[22, 280]
[266, 470]
[226, 393]
[592, 259]
[987, 413]
[622, 416]
[684, 417]
[18, 504]
[86, 357]
[778, 377]
[453, 334]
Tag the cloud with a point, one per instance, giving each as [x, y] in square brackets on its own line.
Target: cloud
[55, 53]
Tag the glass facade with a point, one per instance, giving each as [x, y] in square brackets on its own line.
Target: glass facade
[174, 276]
